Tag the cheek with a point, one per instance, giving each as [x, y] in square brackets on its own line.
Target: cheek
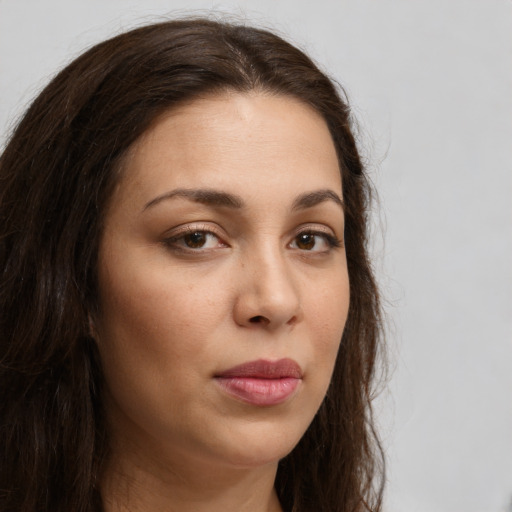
[327, 311]
[153, 336]
[157, 311]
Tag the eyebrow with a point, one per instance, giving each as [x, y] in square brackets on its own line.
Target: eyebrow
[201, 195]
[310, 199]
[213, 197]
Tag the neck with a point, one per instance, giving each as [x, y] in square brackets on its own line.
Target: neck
[140, 482]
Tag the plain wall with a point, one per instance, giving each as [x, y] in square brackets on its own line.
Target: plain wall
[431, 85]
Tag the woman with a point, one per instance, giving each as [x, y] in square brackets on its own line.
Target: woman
[183, 247]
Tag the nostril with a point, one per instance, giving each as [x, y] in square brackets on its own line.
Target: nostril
[257, 319]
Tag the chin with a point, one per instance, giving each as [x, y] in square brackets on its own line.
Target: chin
[260, 445]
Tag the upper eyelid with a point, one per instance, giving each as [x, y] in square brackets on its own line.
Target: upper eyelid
[190, 228]
[208, 228]
[212, 227]
[315, 227]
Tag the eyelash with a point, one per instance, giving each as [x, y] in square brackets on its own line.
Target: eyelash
[172, 242]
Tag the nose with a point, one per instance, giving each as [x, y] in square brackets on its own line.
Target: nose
[267, 294]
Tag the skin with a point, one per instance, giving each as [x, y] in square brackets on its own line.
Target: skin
[258, 280]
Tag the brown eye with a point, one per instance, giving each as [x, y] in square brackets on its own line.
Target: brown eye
[195, 240]
[306, 241]
[315, 242]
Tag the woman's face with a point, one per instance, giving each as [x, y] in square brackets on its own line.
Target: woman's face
[223, 281]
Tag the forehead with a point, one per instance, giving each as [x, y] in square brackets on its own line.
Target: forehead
[234, 140]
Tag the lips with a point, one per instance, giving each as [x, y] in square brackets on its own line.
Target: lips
[261, 382]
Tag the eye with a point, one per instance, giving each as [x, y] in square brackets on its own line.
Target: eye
[194, 240]
[198, 239]
[315, 241]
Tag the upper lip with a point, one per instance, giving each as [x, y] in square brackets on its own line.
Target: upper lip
[264, 369]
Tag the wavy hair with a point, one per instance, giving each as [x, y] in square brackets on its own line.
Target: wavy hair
[57, 174]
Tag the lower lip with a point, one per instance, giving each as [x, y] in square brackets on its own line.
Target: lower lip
[257, 391]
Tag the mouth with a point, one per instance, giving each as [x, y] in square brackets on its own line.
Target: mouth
[261, 382]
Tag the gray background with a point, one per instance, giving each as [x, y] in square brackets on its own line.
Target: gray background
[431, 85]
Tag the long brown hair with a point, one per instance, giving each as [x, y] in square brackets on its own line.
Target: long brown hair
[56, 176]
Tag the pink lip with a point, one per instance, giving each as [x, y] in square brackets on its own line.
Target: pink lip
[262, 382]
